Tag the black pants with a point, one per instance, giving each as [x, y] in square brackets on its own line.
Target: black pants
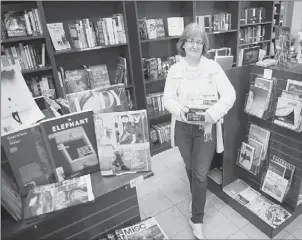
[197, 155]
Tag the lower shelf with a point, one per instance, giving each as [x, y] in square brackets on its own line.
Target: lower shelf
[158, 148]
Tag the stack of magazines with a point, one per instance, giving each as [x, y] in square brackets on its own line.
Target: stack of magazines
[289, 107]
[273, 214]
[252, 153]
[259, 97]
[277, 180]
[146, 229]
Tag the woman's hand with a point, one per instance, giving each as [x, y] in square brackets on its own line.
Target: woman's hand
[183, 113]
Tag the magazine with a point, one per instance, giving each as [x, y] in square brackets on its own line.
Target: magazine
[261, 135]
[236, 187]
[146, 229]
[259, 205]
[294, 86]
[247, 196]
[246, 156]
[258, 146]
[122, 142]
[18, 108]
[52, 197]
[275, 215]
[257, 101]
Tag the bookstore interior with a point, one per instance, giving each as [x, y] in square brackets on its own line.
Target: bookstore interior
[91, 76]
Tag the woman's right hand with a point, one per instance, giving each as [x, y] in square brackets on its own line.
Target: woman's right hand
[183, 113]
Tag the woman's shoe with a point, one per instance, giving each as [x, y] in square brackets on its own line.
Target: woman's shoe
[197, 230]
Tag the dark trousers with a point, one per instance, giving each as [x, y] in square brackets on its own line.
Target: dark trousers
[197, 155]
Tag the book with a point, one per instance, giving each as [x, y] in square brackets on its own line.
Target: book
[145, 229]
[28, 158]
[259, 205]
[275, 215]
[143, 31]
[123, 142]
[175, 26]
[58, 37]
[57, 196]
[262, 136]
[236, 187]
[18, 108]
[76, 81]
[258, 146]
[121, 71]
[257, 101]
[247, 196]
[71, 144]
[14, 22]
[159, 26]
[246, 156]
[294, 86]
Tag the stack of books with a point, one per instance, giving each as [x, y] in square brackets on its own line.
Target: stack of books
[160, 133]
[155, 103]
[40, 85]
[215, 23]
[288, 113]
[252, 34]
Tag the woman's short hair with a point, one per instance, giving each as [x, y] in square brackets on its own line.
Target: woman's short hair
[190, 30]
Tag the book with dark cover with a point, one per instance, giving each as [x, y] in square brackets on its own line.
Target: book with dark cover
[52, 197]
[121, 71]
[71, 144]
[123, 142]
[110, 99]
[28, 158]
[143, 31]
[159, 25]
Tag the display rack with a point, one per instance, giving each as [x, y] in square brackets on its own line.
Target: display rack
[283, 143]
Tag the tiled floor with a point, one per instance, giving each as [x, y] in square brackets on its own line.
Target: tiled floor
[166, 196]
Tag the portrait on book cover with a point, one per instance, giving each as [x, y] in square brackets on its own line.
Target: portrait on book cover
[18, 108]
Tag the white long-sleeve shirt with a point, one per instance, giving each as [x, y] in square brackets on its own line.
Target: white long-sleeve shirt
[210, 78]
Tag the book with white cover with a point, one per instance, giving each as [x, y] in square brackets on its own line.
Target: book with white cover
[58, 37]
[246, 156]
[175, 26]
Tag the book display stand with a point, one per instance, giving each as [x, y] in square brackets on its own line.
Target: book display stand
[269, 212]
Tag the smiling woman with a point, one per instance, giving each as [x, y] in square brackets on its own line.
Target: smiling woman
[197, 82]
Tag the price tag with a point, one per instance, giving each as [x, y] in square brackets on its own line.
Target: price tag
[136, 181]
[268, 73]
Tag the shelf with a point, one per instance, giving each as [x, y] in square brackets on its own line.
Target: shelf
[252, 43]
[157, 115]
[160, 39]
[19, 39]
[75, 50]
[161, 79]
[158, 148]
[255, 24]
[41, 69]
[221, 32]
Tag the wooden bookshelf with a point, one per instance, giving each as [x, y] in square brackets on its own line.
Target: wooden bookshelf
[255, 24]
[21, 39]
[41, 69]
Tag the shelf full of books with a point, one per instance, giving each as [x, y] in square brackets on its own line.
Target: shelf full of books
[99, 134]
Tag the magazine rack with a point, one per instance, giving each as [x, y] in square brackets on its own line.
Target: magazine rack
[284, 144]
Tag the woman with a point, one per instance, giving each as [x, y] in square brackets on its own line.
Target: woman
[188, 83]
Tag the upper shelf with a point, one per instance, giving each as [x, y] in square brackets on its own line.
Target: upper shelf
[255, 24]
[19, 39]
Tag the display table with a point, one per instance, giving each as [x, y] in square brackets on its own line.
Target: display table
[115, 206]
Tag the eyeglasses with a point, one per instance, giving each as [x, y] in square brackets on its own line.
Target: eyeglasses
[192, 42]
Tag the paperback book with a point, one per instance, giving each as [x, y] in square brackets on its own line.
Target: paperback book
[246, 156]
[234, 188]
[58, 37]
[71, 144]
[123, 142]
[28, 158]
[247, 196]
[260, 135]
[53, 197]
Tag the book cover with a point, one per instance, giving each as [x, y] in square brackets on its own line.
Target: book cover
[257, 101]
[246, 156]
[18, 108]
[175, 26]
[247, 196]
[71, 144]
[110, 99]
[236, 187]
[259, 205]
[294, 86]
[81, 101]
[28, 158]
[100, 76]
[14, 22]
[258, 146]
[275, 215]
[143, 31]
[151, 28]
[52, 197]
[159, 25]
[121, 72]
[250, 55]
[123, 142]
[76, 81]
[58, 37]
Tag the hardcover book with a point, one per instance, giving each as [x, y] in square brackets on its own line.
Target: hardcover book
[28, 158]
[123, 142]
[71, 144]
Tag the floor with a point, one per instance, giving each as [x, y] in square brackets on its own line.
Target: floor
[166, 196]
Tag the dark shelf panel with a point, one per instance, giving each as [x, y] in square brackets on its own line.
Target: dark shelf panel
[41, 69]
[159, 39]
[161, 79]
[221, 32]
[75, 50]
[19, 39]
[158, 148]
[252, 43]
[158, 115]
[255, 24]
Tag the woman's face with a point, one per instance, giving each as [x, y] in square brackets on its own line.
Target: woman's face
[193, 45]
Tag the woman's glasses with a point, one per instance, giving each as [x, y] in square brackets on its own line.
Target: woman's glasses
[192, 42]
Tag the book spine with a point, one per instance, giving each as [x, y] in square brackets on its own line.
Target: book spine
[20, 58]
[15, 56]
[23, 55]
[27, 24]
[106, 37]
[38, 20]
[32, 22]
